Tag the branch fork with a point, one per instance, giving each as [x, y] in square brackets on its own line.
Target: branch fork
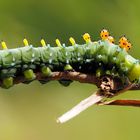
[108, 88]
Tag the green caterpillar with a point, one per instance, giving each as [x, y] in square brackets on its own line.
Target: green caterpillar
[99, 58]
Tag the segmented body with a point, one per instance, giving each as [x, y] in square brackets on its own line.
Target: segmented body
[99, 58]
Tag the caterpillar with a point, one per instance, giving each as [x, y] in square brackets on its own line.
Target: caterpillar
[94, 57]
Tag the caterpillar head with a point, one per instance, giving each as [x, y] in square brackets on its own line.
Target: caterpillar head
[104, 34]
[124, 43]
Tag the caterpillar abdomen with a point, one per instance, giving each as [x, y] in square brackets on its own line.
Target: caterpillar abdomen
[99, 58]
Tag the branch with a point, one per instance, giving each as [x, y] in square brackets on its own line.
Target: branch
[98, 98]
[115, 83]
[83, 105]
[109, 87]
[135, 103]
[76, 76]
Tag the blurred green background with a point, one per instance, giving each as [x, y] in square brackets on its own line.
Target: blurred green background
[29, 112]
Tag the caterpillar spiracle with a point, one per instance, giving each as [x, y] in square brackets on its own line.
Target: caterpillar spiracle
[94, 57]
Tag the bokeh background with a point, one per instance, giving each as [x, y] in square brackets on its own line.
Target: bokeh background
[29, 112]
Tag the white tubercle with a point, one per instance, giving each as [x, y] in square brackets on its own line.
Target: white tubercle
[83, 105]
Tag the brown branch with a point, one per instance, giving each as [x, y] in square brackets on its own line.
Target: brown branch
[135, 103]
[76, 76]
[116, 84]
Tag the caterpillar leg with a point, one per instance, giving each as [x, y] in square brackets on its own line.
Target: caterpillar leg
[7, 82]
[29, 74]
[46, 71]
[99, 72]
[66, 82]
[68, 67]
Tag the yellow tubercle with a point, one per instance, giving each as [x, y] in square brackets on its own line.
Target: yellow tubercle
[128, 47]
[25, 41]
[104, 34]
[4, 46]
[87, 38]
[72, 41]
[111, 39]
[124, 43]
[58, 43]
[43, 43]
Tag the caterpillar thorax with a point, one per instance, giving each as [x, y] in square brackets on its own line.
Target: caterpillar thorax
[99, 58]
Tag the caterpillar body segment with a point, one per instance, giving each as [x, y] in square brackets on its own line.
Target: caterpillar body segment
[99, 58]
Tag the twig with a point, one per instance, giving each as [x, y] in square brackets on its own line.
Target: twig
[83, 105]
[108, 87]
[135, 103]
[76, 76]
